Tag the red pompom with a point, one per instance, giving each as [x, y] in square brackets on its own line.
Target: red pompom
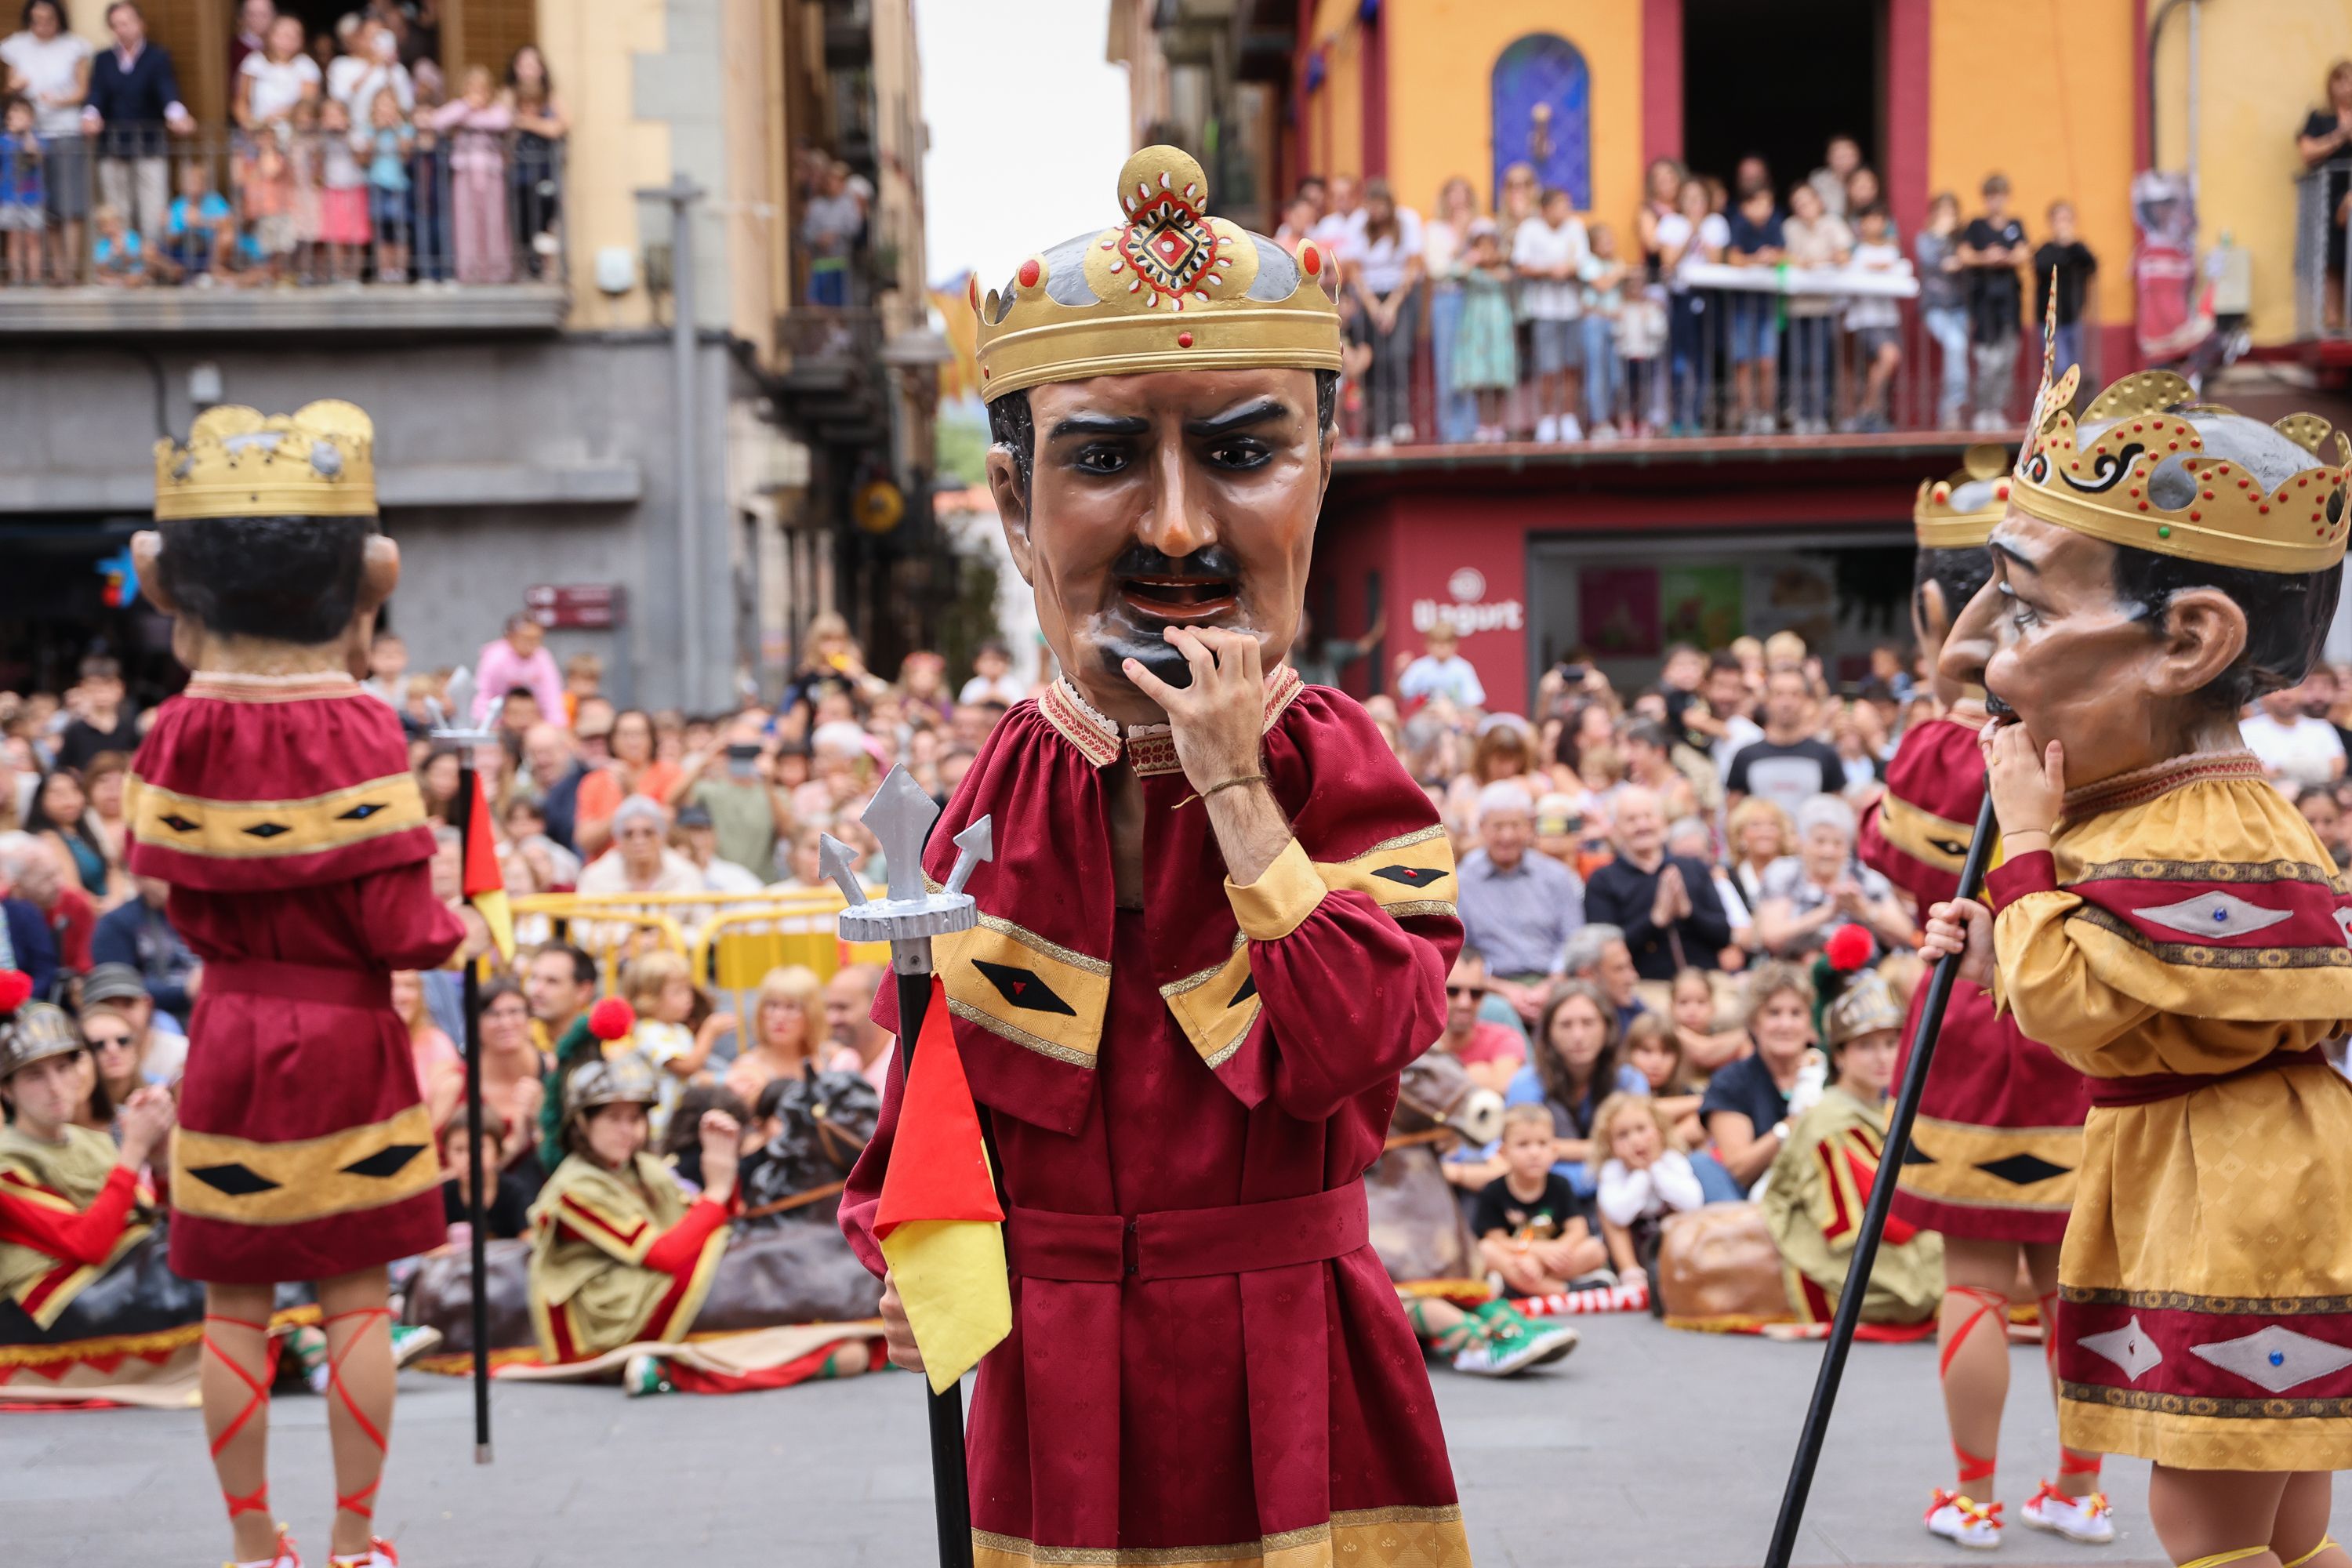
[1849, 948]
[15, 989]
[611, 1019]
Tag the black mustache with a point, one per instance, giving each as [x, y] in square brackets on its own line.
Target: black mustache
[1998, 709]
[1210, 564]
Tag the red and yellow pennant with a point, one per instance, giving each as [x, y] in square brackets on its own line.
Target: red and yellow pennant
[938, 1223]
[485, 887]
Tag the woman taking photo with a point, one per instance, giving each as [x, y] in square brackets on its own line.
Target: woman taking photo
[787, 1028]
[634, 770]
[1384, 274]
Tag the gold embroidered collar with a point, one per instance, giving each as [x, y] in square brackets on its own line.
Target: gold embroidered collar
[2144, 785]
[1150, 748]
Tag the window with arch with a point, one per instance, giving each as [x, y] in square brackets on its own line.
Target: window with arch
[1542, 98]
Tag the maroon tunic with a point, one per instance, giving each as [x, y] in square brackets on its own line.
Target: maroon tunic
[282, 812]
[1233, 1378]
[2000, 1133]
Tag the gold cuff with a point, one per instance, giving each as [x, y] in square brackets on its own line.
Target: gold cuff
[1283, 895]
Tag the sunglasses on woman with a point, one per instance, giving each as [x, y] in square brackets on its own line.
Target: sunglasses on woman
[1457, 991]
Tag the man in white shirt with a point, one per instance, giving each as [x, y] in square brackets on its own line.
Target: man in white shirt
[1342, 218]
[2296, 750]
[371, 66]
[1546, 253]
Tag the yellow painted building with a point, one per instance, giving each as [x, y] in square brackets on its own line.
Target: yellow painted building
[1940, 92]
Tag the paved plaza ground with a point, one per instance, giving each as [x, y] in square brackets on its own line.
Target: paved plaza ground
[1647, 1448]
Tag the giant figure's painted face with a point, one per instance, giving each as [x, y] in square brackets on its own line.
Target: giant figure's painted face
[1172, 499]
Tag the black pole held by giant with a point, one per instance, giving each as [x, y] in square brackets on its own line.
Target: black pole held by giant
[469, 781]
[950, 1488]
[1873, 1215]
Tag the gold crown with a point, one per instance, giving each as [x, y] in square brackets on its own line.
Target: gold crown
[1865, 1006]
[1170, 288]
[1981, 488]
[318, 461]
[2230, 519]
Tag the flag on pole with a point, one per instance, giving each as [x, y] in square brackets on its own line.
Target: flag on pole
[485, 887]
[938, 1223]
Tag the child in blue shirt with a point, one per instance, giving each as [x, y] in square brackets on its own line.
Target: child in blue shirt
[199, 227]
[116, 255]
[21, 192]
[385, 143]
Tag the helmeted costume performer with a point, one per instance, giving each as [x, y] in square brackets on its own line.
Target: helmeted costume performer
[73, 1216]
[2167, 923]
[617, 1257]
[1183, 1078]
[1999, 1138]
[1820, 1181]
[276, 799]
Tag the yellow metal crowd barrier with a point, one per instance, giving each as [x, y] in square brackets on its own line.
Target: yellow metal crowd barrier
[731, 939]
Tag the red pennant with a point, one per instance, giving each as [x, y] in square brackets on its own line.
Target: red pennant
[938, 1166]
[482, 874]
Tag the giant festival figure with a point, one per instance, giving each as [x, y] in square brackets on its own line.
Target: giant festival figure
[275, 797]
[1216, 928]
[2167, 923]
[2000, 1136]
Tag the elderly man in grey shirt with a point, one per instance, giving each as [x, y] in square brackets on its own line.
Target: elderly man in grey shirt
[1518, 906]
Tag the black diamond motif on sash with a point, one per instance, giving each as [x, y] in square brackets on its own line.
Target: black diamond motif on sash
[237, 1180]
[1956, 848]
[1915, 1155]
[1411, 876]
[361, 812]
[1023, 988]
[388, 1161]
[267, 830]
[179, 825]
[1248, 990]
[2021, 1170]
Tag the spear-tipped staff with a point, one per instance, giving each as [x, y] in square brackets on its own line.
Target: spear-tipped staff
[457, 728]
[1874, 1213]
[908, 917]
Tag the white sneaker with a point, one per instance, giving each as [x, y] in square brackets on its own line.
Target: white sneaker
[1547, 428]
[1569, 431]
[2087, 1519]
[1970, 1523]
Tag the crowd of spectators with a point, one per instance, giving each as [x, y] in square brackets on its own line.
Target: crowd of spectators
[1537, 322]
[348, 158]
[1645, 877]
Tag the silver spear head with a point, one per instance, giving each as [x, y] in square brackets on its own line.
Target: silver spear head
[838, 860]
[900, 815]
[974, 845]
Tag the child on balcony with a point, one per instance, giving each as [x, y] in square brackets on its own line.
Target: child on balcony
[200, 228]
[386, 142]
[1874, 322]
[342, 195]
[1486, 353]
[478, 124]
[1546, 252]
[301, 139]
[116, 255]
[22, 220]
[268, 196]
[1603, 279]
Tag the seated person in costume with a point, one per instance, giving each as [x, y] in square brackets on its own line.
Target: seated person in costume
[619, 1254]
[1821, 1176]
[2165, 921]
[72, 1205]
[1529, 1224]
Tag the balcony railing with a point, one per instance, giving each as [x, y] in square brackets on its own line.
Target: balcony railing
[2323, 284]
[1738, 352]
[247, 226]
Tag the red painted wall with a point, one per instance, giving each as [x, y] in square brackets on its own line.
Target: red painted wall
[1661, 80]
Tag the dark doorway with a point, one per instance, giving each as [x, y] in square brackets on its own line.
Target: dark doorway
[1779, 78]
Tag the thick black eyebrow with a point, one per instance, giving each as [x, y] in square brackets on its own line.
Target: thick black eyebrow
[1099, 425]
[2015, 557]
[1242, 418]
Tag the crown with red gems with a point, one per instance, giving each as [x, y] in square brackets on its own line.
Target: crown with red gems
[1959, 513]
[1170, 288]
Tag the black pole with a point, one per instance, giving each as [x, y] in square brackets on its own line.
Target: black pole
[469, 781]
[1873, 1215]
[950, 1488]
